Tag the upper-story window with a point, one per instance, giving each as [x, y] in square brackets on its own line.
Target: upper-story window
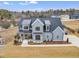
[25, 27]
[37, 28]
[20, 26]
[57, 36]
[47, 28]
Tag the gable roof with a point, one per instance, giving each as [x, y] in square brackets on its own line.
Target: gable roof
[58, 29]
[38, 21]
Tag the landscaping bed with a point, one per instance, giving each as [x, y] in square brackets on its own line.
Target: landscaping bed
[50, 42]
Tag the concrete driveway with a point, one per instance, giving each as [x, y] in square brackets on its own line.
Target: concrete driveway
[73, 39]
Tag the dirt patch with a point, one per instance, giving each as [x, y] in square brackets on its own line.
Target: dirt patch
[8, 34]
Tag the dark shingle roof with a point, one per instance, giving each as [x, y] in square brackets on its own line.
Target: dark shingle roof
[55, 22]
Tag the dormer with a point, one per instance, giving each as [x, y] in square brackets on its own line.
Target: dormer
[37, 26]
[47, 24]
[26, 24]
[37, 21]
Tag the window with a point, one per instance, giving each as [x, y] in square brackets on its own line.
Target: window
[26, 36]
[20, 26]
[37, 28]
[47, 28]
[25, 27]
[47, 36]
[57, 36]
[37, 37]
[76, 17]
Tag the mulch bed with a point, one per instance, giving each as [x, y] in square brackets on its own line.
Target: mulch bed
[50, 42]
[57, 42]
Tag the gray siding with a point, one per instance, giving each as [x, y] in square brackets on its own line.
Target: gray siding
[37, 24]
[47, 36]
[58, 34]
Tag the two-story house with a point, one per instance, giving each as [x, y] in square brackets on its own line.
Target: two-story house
[41, 29]
[74, 16]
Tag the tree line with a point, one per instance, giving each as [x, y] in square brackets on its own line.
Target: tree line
[49, 12]
[13, 15]
[6, 14]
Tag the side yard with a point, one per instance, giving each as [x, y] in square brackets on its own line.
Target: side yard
[72, 26]
[8, 34]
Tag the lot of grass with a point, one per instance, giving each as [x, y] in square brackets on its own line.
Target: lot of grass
[8, 34]
[17, 51]
[72, 24]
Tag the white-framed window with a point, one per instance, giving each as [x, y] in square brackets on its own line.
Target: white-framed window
[47, 27]
[37, 28]
[26, 27]
[26, 36]
[20, 26]
[37, 37]
[57, 36]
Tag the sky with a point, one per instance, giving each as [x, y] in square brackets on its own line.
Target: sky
[37, 5]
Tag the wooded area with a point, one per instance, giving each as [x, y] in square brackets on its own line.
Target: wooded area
[9, 17]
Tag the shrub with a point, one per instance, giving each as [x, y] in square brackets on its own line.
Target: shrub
[15, 42]
[17, 36]
[44, 40]
[5, 24]
[51, 40]
[77, 30]
[67, 40]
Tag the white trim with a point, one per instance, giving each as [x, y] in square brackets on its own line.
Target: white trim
[36, 21]
[59, 28]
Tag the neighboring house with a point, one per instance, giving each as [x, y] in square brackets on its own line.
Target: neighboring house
[74, 16]
[41, 29]
[64, 17]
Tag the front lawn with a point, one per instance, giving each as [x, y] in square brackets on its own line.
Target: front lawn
[17, 51]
